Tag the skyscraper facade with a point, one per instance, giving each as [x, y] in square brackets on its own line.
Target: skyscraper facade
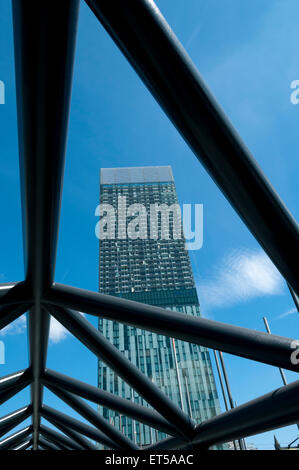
[148, 266]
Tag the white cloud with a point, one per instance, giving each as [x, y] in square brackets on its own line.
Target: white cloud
[15, 328]
[241, 275]
[57, 331]
[287, 313]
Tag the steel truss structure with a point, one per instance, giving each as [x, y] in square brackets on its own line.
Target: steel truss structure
[44, 41]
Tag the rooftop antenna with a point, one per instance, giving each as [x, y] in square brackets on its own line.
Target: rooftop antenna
[222, 389]
[283, 377]
[294, 296]
[241, 442]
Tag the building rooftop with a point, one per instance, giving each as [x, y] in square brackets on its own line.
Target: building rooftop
[143, 174]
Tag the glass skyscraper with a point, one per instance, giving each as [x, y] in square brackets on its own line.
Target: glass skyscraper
[155, 270]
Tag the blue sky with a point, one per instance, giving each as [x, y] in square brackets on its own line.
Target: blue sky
[247, 54]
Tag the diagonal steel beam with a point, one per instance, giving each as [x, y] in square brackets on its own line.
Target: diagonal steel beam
[55, 444]
[243, 342]
[59, 439]
[38, 330]
[44, 65]
[147, 41]
[23, 377]
[5, 288]
[74, 435]
[275, 409]
[94, 418]
[14, 293]
[107, 352]
[15, 299]
[13, 384]
[294, 297]
[14, 439]
[18, 442]
[25, 445]
[10, 313]
[121, 405]
[8, 422]
[9, 393]
[47, 445]
[44, 42]
[62, 419]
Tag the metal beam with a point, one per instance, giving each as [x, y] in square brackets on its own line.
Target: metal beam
[243, 342]
[5, 288]
[60, 418]
[47, 445]
[74, 435]
[7, 394]
[220, 380]
[275, 409]
[17, 383]
[281, 371]
[44, 39]
[24, 446]
[94, 418]
[44, 56]
[54, 443]
[228, 389]
[10, 313]
[11, 420]
[294, 297]
[38, 330]
[14, 439]
[18, 442]
[222, 388]
[14, 293]
[23, 377]
[107, 352]
[125, 407]
[147, 41]
[59, 439]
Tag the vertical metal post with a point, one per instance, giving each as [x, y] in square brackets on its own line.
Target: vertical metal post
[133, 420]
[44, 46]
[220, 380]
[151, 436]
[188, 397]
[284, 380]
[242, 440]
[294, 297]
[222, 389]
[283, 377]
[178, 374]
[231, 401]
